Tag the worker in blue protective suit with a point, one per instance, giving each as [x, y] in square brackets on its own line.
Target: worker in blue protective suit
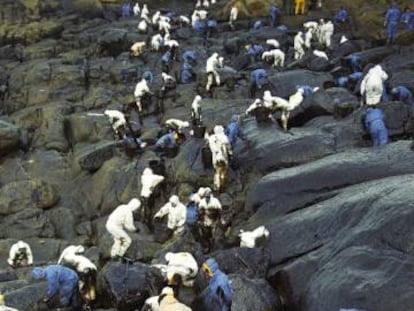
[341, 16]
[255, 51]
[392, 19]
[307, 89]
[233, 131]
[167, 142]
[350, 80]
[219, 292]
[147, 75]
[187, 74]
[403, 94]
[211, 27]
[62, 281]
[257, 25]
[407, 18]
[190, 56]
[374, 123]
[166, 61]
[258, 78]
[199, 26]
[126, 10]
[354, 62]
[273, 13]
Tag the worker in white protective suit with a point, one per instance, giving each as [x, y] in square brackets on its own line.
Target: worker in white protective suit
[311, 25]
[286, 106]
[248, 238]
[137, 48]
[143, 26]
[136, 9]
[145, 12]
[326, 33]
[149, 181]
[176, 212]
[20, 255]
[298, 46]
[273, 43]
[321, 54]
[164, 26]
[209, 215]
[141, 89]
[277, 55]
[182, 264]
[308, 38]
[196, 110]
[176, 125]
[156, 17]
[261, 112]
[213, 63]
[234, 11]
[221, 152]
[119, 220]
[117, 120]
[72, 256]
[157, 42]
[372, 85]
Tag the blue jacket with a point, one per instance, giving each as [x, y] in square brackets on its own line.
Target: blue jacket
[189, 55]
[374, 122]
[341, 15]
[257, 25]
[233, 131]
[307, 89]
[192, 213]
[219, 289]
[393, 15]
[403, 94]
[355, 62]
[186, 75]
[126, 10]
[199, 26]
[60, 280]
[258, 77]
[407, 19]
[356, 76]
[166, 57]
[273, 12]
[212, 23]
[166, 141]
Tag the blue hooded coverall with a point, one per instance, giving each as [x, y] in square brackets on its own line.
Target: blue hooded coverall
[374, 122]
[60, 280]
[341, 16]
[126, 10]
[219, 291]
[257, 25]
[355, 62]
[255, 50]
[403, 94]
[186, 75]
[307, 89]
[273, 12]
[166, 141]
[392, 18]
[407, 19]
[199, 26]
[189, 56]
[258, 77]
[233, 131]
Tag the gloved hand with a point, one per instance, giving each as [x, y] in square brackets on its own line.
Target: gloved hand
[45, 300]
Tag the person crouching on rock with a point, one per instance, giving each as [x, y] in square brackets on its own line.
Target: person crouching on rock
[72, 257]
[176, 212]
[119, 220]
[62, 281]
[117, 120]
[219, 294]
[20, 255]
[142, 91]
[374, 123]
[168, 144]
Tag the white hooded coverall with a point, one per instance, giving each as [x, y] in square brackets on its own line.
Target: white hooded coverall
[140, 90]
[122, 219]
[372, 85]
[212, 65]
[177, 213]
[16, 252]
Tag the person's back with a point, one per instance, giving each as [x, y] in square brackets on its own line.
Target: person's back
[374, 122]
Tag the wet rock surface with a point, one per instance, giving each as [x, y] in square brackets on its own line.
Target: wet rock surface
[339, 212]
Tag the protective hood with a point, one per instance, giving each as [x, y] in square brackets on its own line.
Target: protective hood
[38, 273]
[174, 199]
[234, 118]
[147, 171]
[218, 129]
[210, 266]
[79, 249]
[134, 204]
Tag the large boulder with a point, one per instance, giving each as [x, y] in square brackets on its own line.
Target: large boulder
[126, 287]
[19, 195]
[9, 137]
[275, 191]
